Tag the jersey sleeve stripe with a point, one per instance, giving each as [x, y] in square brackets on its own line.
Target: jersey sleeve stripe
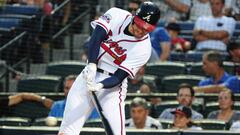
[102, 25]
[127, 70]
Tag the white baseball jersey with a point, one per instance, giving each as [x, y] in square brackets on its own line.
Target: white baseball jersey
[214, 24]
[118, 51]
[150, 123]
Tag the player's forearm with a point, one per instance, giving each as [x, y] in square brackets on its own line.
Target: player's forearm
[178, 6]
[115, 79]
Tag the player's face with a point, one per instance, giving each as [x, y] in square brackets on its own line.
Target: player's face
[67, 86]
[181, 121]
[139, 115]
[224, 100]
[138, 32]
[184, 97]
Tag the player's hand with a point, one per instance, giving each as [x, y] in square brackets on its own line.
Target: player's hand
[92, 86]
[89, 72]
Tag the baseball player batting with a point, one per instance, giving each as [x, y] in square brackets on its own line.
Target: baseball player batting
[119, 46]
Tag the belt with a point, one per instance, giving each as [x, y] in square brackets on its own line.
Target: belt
[104, 72]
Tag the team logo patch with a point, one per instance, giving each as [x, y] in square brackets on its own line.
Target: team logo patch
[106, 17]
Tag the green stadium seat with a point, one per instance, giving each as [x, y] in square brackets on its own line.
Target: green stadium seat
[29, 109]
[43, 83]
[166, 124]
[196, 69]
[164, 105]
[208, 124]
[209, 132]
[93, 123]
[162, 69]
[170, 83]
[65, 68]
[229, 67]
[14, 121]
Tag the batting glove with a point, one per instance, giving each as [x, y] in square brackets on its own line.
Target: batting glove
[92, 86]
[89, 72]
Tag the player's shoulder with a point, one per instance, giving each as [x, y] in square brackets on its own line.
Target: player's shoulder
[118, 11]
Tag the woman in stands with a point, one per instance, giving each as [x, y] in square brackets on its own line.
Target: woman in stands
[226, 105]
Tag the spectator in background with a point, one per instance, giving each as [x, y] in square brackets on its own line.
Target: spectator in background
[214, 32]
[200, 8]
[182, 119]
[233, 49]
[161, 45]
[185, 97]
[226, 104]
[58, 107]
[177, 43]
[173, 10]
[133, 5]
[213, 67]
[139, 116]
[6, 102]
[233, 82]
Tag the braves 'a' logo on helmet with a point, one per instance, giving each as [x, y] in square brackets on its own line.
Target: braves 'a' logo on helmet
[147, 18]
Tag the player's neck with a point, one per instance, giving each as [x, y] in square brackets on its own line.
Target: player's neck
[127, 30]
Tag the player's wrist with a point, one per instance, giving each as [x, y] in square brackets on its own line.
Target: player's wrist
[92, 66]
[99, 86]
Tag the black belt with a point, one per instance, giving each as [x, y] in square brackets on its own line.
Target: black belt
[104, 72]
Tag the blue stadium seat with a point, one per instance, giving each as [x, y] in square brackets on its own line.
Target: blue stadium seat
[177, 56]
[186, 25]
[21, 9]
[10, 22]
[237, 27]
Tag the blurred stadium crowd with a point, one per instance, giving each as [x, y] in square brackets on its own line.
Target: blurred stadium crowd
[192, 80]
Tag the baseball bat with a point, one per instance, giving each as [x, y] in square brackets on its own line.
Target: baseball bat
[106, 125]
